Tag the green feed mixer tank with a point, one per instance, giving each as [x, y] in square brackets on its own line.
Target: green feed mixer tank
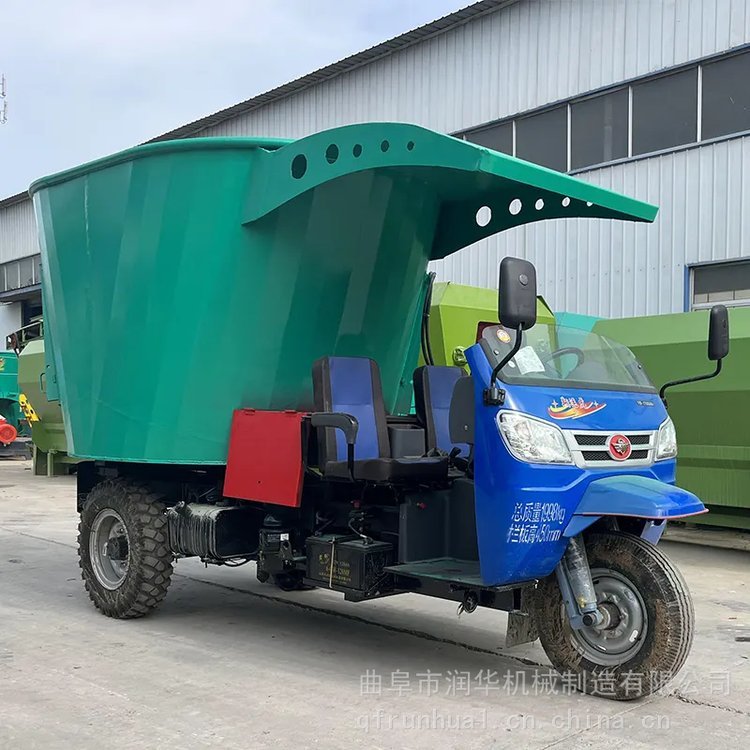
[184, 279]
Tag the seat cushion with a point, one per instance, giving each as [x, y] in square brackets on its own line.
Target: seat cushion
[433, 469]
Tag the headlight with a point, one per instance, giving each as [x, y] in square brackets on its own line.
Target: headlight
[533, 440]
[666, 445]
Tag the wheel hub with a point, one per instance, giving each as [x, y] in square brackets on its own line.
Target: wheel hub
[109, 547]
[619, 636]
[116, 548]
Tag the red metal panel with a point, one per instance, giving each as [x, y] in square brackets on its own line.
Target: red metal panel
[265, 457]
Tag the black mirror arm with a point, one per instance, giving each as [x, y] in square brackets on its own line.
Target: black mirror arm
[344, 422]
[695, 379]
[494, 396]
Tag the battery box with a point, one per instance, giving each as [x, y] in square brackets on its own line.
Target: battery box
[347, 563]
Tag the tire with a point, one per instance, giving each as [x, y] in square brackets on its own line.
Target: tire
[137, 581]
[291, 581]
[644, 663]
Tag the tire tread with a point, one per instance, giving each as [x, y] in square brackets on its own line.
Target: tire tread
[143, 512]
[673, 604]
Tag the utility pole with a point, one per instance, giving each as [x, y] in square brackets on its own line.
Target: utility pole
[3, 101]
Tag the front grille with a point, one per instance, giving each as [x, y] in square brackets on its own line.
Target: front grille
[591, 439]
[604, 456]
[590, 448]
[601, 439]
[639, 439]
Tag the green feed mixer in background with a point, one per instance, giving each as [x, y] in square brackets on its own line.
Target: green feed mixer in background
[13, 425]
[712, 417]
[44, 415]
[457, 316]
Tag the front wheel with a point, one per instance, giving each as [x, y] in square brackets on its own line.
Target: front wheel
[123, 549]
[647, 630]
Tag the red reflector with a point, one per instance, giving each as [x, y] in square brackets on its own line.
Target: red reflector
[8, 433]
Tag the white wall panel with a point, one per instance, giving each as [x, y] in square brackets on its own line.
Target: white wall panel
[515, 59]
[10, 319]
[17, 231]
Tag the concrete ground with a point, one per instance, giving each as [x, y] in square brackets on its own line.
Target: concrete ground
[228, 662]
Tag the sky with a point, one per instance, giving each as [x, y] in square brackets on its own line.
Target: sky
[86, 78]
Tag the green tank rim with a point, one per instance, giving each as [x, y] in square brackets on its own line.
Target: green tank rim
[164, 147]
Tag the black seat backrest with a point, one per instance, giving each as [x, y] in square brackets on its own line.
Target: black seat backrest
[461, 417]
[351, 385]
[433, 391]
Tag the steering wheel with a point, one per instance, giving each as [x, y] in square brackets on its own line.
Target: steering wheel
[565, 350]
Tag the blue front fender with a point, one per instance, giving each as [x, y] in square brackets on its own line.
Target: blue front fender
[633, 496]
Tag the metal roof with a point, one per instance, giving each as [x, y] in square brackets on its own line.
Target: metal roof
[11, 200]
[383, 49]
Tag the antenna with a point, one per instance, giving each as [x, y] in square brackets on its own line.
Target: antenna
[3, 102]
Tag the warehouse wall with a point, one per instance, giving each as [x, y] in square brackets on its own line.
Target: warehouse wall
[515, 59]
[10, 320]
[18, 237]
[619, 269]
[521, 57]
[534, 53]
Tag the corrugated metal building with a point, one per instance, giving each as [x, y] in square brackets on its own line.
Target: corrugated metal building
[20, 295]
[647, 97]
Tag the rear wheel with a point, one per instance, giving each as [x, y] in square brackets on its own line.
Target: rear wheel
[647, 630]
[123, 549]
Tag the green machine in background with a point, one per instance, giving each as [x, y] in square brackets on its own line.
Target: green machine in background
[456, 313]
[44, 416]
[712, 417]
[14, 430]
[9, 406]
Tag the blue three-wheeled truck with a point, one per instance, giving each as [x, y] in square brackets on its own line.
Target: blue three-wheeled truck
[278, 418]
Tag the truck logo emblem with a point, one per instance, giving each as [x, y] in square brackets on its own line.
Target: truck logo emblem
[619, 447]
[573, 408]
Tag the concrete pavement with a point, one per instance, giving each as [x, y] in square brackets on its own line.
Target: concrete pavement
[229, 662]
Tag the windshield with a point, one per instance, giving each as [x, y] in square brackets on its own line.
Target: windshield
[558, 355]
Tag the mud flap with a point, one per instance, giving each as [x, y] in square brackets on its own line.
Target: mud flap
[521, 625]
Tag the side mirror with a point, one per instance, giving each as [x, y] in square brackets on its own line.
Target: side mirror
[516, 308]
[718, 333]
[517, 294]
[718, 348]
